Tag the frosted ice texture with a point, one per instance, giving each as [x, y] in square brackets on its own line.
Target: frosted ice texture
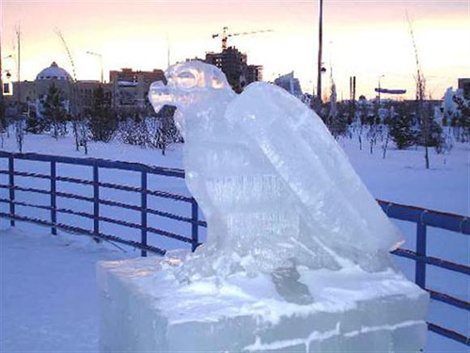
[144, 308]
[275, 187]
[296, 257]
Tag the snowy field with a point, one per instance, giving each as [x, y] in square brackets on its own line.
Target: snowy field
[48, 287]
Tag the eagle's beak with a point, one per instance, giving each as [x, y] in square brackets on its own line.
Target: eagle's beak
[159, 95]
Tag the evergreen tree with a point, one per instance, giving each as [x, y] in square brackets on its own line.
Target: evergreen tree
[35, 125]
[402, 130]
[102, 117]
[461, 120]
[54, 113]
[436, 137]
[430, 132]
[448, 106]
[363, 110]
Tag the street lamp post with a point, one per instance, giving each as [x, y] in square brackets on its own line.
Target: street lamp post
[320, 47]
[380, 77]
[101, 63]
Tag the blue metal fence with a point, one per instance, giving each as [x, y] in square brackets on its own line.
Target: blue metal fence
[421, 217]
[97, 201]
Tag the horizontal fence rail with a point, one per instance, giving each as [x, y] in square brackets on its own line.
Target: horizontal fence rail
[93, 212]
[423, 218]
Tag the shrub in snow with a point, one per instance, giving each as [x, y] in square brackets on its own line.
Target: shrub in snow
[132, 130]
[162, 130]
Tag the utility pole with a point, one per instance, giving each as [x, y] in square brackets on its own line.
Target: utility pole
[352, 98]
[354, 89]
[320, 48]
[18, 44]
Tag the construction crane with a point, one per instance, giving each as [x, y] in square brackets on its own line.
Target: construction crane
[226, 35]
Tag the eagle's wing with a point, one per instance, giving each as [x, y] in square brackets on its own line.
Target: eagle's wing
[337, 207]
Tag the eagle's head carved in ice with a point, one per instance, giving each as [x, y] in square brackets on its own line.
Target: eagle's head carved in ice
[189, 84]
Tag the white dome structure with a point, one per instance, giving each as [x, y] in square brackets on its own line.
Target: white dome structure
[53, 72]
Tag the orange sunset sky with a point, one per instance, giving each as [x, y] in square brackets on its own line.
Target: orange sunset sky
[362, 38]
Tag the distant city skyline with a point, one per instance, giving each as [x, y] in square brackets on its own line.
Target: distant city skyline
[366, 39]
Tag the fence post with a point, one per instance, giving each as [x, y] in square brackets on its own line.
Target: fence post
[53, 198]
[11, 173]
[420, 274]
[96, 201]
[194, 224]
[143, 214]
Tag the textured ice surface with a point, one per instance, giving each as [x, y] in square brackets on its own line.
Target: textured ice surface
[276, 189]
[297, 251]
[144, 308]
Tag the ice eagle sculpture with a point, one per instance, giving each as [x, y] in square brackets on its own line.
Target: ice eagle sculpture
[276, 189]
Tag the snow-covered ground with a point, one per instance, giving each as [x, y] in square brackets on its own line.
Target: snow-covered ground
[48, 288]
[48, 291]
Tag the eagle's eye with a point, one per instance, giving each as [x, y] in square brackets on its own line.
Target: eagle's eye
[186, 80]
[217, 84]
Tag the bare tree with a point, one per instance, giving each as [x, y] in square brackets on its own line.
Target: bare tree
[422, 116]
[385, 131]
[75, 120]
[374, 128]
[83, 131]
[19, 131]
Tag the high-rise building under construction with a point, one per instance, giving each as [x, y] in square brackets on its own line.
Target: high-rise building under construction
[234, 65]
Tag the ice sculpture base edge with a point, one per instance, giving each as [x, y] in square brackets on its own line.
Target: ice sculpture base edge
[144, 309]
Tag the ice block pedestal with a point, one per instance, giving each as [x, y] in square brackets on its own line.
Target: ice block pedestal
[146, 308]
